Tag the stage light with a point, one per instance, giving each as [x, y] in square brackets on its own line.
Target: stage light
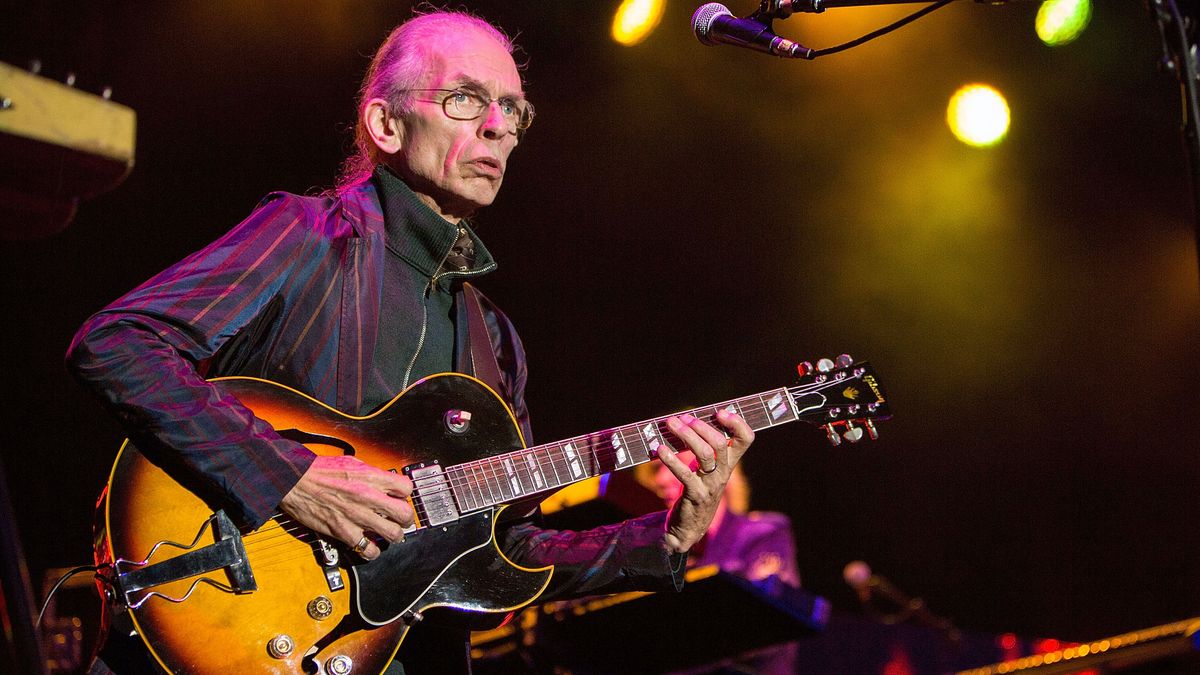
[635, 20]
[978, 115]
[1061, 21]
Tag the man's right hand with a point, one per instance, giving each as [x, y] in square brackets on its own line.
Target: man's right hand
[349, 500]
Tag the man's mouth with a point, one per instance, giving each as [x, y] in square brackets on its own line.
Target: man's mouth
[488, 166]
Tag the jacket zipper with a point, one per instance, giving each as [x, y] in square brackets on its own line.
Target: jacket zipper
[425, 302]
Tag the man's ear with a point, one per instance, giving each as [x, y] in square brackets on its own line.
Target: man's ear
[385, 130]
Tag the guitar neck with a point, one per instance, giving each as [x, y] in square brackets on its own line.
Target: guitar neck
[512, 476]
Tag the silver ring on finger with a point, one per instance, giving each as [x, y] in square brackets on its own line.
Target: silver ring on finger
[701, 471]
[361, 545]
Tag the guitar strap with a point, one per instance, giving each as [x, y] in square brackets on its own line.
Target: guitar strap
[479, 355]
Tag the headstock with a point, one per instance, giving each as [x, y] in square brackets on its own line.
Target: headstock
[840, 396]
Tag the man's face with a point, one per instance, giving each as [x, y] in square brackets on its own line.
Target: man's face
[456, 166]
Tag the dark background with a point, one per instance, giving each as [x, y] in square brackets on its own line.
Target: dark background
[683, 224]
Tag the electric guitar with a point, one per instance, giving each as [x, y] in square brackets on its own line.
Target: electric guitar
[209, 597]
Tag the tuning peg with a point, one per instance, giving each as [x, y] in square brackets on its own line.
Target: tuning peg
[871, 432]
[832, 434]
[844, 361]
[824, 365]
[852, 433]
[804, 368]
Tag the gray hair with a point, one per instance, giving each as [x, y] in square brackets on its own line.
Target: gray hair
[399, 65]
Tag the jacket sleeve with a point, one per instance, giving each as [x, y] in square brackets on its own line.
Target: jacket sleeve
[627, 556]
[141, 356]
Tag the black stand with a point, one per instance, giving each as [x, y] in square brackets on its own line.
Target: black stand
[25, 648]
[1179, 57]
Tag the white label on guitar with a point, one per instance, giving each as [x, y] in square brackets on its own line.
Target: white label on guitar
[778, 409]
[512, 476]
[534, 471]
[650, 433]
[573, 460]
[622, 456]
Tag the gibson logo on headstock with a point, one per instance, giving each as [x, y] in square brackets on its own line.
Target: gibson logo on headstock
[870, 380]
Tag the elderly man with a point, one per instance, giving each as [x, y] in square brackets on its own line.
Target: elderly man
[352, 297]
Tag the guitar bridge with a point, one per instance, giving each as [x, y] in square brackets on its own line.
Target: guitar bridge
[228, 553]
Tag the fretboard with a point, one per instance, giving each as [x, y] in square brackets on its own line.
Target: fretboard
[522, 473]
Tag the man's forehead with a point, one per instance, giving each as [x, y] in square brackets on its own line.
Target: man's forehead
[473, 59]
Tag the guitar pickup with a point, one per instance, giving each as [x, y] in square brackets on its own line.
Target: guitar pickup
[432, 495]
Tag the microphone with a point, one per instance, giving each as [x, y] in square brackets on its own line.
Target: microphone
[869, 585]
[858, 576]
[715, 25]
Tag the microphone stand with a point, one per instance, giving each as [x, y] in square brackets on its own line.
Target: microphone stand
[1179, 57]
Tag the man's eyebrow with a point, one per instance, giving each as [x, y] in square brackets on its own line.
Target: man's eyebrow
[470, 83]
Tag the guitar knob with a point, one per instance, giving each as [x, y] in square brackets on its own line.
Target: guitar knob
[339, 665]
[832, 434]
[844, 361]
[281, 646]
[824, 365]
[320, 608]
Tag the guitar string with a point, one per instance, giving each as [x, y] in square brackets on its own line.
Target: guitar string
[491, 477]
[447, 482]
[489, 469]
[283, 537]
[264, 541]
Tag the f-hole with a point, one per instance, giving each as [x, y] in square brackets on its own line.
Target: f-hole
[306, 438]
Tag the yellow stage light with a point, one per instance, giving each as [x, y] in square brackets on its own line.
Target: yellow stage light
[635, 20]
[1061, 21]
[978, 115]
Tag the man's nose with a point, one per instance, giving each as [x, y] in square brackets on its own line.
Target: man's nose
[494, 126]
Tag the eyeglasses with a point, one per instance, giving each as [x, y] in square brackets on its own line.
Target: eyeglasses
[460, 104]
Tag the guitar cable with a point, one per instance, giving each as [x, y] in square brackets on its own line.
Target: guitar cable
[58, 584]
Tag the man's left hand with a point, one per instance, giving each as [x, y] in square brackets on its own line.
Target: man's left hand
[716, 455]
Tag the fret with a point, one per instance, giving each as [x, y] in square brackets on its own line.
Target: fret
[633, 445]
[621, 457]
[780, 405]
[523, 472]
[652, 436]
[553, 468]
[587, 456]
[639, 452]
[482, 479]
[537, 480]
[500, 479]
[573, 462]
[766, 413]
[460, 489]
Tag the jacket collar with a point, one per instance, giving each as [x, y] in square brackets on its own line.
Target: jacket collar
[418, 235]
